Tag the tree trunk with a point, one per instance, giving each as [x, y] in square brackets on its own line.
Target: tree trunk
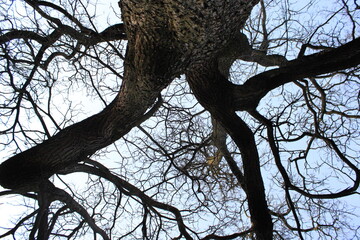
[165, 37]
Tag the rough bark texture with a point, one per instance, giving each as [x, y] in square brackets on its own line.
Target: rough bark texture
[212, 90]
[165, 38]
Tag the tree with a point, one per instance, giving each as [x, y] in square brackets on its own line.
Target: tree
[269, 153]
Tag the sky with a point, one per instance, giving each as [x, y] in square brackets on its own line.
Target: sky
[10, 205]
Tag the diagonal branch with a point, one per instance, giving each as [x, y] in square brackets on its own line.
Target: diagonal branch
[75, 142]
[248, 95]
[61, 195]
[96, 168]
[112, 33]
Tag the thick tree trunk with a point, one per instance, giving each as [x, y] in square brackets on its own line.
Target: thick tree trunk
[165, 37]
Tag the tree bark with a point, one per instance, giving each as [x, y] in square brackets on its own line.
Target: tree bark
[165, 37]
[212, 90]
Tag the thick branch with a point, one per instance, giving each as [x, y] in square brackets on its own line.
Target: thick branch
[239, 48]
[248, 95]
[76, 142]
[211, 89]
[112, 33]
[219, 140]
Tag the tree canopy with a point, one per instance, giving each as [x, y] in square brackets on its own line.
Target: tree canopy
[219, 119]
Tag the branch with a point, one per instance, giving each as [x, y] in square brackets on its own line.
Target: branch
[95, 168]
[63, 11]
[112, 33]
[211, 88]
[276, 154]
[248, 95]
[41, 222]
[19, 224]
[228, 237]
[61, 195]
[74, 143]
[22, 34]
[239, 48]
[289, 185]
